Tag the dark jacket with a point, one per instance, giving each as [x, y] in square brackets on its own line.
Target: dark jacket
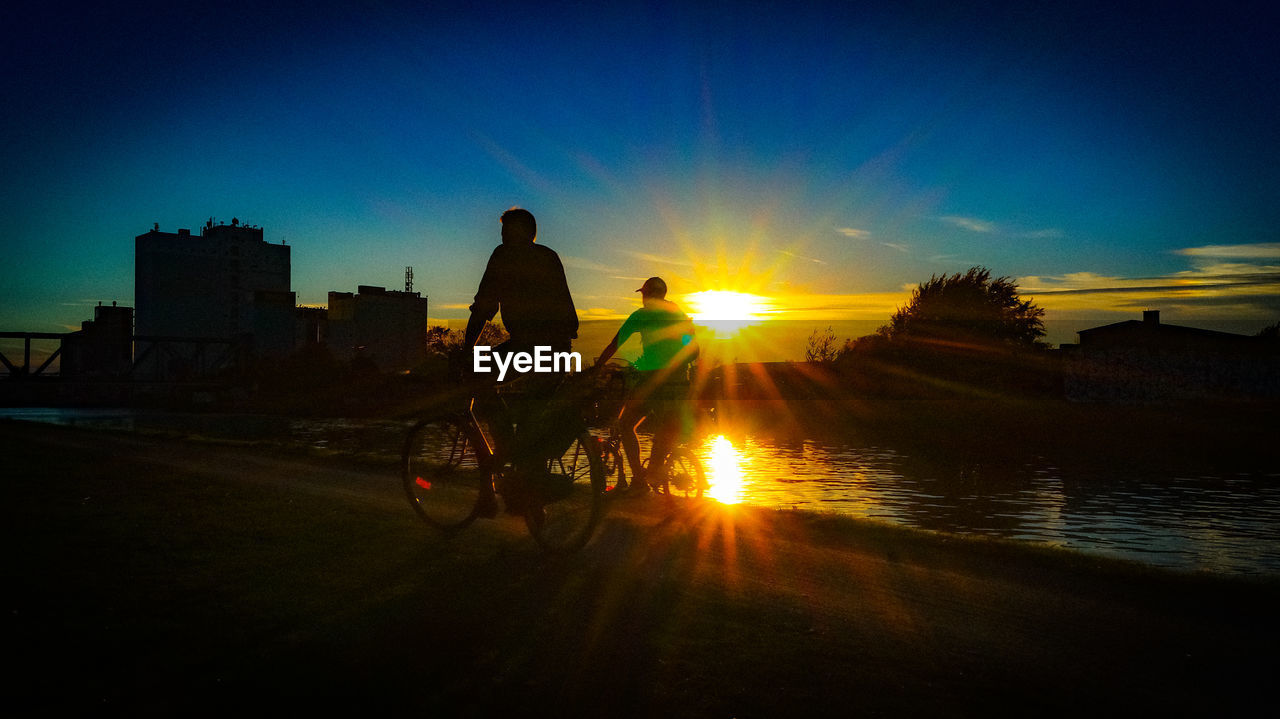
[525, 281]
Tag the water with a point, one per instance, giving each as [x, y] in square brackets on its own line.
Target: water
[1226, 524]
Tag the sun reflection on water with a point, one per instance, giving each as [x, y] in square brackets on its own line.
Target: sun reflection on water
[725, 473]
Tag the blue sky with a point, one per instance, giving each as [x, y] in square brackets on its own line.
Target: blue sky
[1112, 157]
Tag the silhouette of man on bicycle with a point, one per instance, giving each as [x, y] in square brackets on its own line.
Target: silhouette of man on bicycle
[524, 281]
[662, 388]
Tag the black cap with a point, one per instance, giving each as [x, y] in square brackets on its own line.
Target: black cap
[653, 287]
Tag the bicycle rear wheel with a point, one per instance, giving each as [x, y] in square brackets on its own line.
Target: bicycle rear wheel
[683, 475]
[443, 474]
[569, 497]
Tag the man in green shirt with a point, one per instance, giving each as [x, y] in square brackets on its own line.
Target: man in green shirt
[666, 335]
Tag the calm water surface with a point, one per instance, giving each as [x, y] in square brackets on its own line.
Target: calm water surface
[1219, 523]
[1228, 524]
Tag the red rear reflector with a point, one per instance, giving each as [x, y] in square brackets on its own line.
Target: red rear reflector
[424, 483]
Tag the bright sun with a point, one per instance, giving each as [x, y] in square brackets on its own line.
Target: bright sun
[725, 312]
[728, 309]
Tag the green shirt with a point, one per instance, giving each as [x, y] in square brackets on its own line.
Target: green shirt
[665, 332]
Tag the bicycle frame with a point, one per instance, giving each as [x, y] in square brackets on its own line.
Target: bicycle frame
[692, 477]
[454, 470]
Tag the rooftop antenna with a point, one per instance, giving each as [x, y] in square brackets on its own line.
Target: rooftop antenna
[408, 279]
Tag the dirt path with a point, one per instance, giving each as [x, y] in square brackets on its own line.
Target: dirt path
[152, 575]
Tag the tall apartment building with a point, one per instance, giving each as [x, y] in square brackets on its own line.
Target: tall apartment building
[226, 283]
[203, 286]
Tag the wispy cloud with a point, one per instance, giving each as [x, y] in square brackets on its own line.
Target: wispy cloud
[1240, 290]
[658, 259]
[1048, 233]
[513, 165]
[972, 224]
[789, 253]
[828, 307]
[1260, 250]
[857, 234]
[986, 227]
[1232, 276]
[599, 313]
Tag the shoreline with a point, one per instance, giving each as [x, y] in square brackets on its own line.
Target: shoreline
[156, 575]
[995, 467]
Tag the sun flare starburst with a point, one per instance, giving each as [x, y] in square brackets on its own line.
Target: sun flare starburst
[727, 311]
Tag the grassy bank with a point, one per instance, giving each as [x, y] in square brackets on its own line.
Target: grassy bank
[151, 575]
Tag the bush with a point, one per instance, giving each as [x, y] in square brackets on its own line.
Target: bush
[966, 310]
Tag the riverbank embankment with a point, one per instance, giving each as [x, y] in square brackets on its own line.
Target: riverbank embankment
[150, 575]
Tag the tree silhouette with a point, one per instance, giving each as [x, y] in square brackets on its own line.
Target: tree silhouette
[445, 341]
[823, 347]
[968, 310]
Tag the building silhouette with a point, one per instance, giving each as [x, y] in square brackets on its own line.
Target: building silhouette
[226, 285]
[311, 326]
[1149, 360]
[387, 327]
[103, 347]
[216, 308]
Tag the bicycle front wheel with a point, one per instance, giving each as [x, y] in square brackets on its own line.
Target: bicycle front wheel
[683, 475]
[570, 500]
[444, 476]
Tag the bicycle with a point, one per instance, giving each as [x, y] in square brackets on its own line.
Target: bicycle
[683, 474]
[452, 474]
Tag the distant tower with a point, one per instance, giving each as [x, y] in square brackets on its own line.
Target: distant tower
[408, 279]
